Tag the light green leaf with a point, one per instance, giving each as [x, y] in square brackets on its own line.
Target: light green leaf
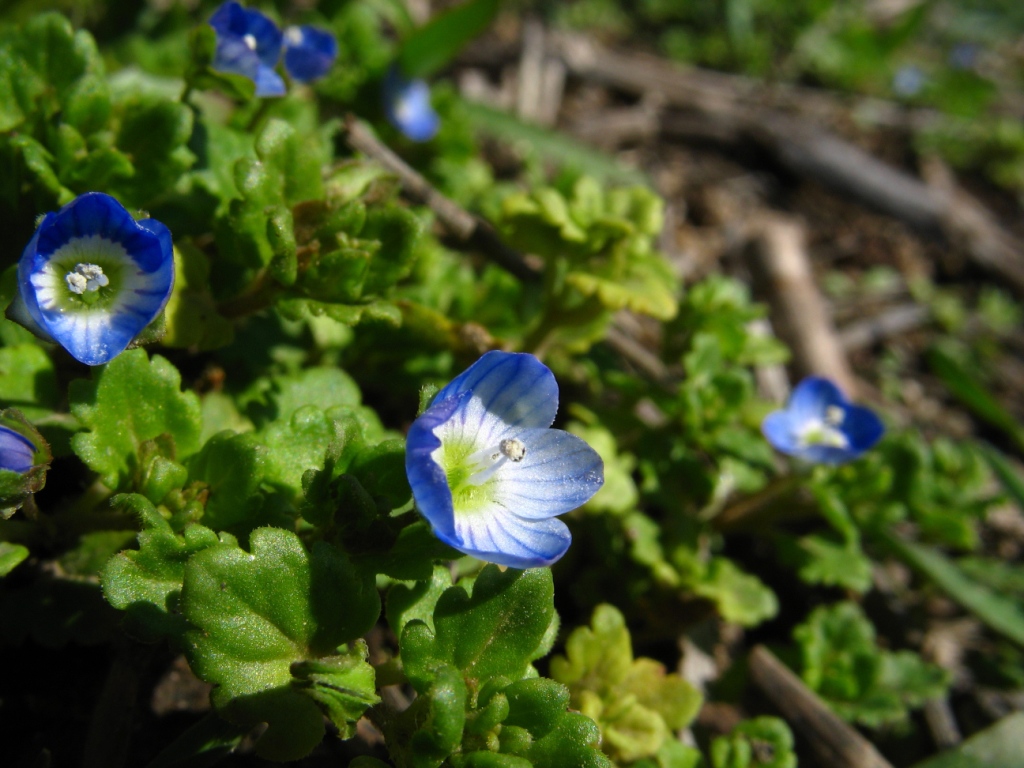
[115, 433]
[997, 745]
[10, 556]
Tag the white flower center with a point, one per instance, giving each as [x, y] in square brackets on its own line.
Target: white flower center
[825, 431]
[293, 36]
[485, 463]
[250, 42]
[86, 278]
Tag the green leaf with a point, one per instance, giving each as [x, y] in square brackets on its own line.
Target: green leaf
[27, 380]
[1008, 476]
[997, 745]
[495, 632]
[146, 583]
[407, 602]
[859, 680]
[343, 685]
[11, 555]
[192, 317]
[232, 468]
[16, 488]
[834, 564]
[740, 597]
[437, 42]
[154, 133]
[635, 702]
[763, 742]
[1002, 615]
[115, 433]
[293, 161]
[256, 614]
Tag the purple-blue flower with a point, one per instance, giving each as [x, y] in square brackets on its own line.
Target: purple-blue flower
[17, 454]
[407, 106]
[309, 52]
[248, 44]
[92, 277]
[820, 425]
[489, 473]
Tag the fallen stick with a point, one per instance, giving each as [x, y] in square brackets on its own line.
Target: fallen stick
[836, 744]
[871, 330]
[799, 313]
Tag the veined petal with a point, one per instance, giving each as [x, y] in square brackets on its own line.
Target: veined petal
[309, 52]
[17, 454]
[268, 82]
[510, 392]
[862, 427]
[559, 473]
[780, 430]
[502, 537]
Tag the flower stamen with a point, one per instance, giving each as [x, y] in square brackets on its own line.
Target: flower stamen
[250, 42]
[85, 280]
[485, 463]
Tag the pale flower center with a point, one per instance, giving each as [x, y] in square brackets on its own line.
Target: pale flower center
[86, 278]
[825, 431]
[250, 42]
[293, 36]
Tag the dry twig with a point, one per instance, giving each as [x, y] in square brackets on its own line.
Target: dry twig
[837, 744]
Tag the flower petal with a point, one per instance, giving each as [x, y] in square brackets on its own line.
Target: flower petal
[426, 477]
[17, 453]
[408, 108]
[559, 473]
[862, 427]
[780, 429]
[268, 82]
[502, 537]
[309, 52]
[510, 392]
[812, 396]
[248, 44]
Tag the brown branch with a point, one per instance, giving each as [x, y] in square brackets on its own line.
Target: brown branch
[836, 744]
[470, 230]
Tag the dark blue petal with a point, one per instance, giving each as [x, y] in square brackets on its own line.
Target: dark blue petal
[17, 454]
[426, 477]
[407, 106]
[234, 57]
[309, 52]
[862, 428]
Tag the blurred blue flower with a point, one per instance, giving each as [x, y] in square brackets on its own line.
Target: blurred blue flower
[407, 105]
[17, 454]
[92, 277]
[908, 81]
[309, 52]
[248, 44]
[489, 473]
[963, 56]
[820, 425]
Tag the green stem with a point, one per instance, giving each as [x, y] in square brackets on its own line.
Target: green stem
[257, 297]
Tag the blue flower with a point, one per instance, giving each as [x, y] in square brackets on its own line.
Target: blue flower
[487, 471]
[309, 52]
[17, 454]
[820, 425]
[407, 105]
[248, 44]
[92, 277]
